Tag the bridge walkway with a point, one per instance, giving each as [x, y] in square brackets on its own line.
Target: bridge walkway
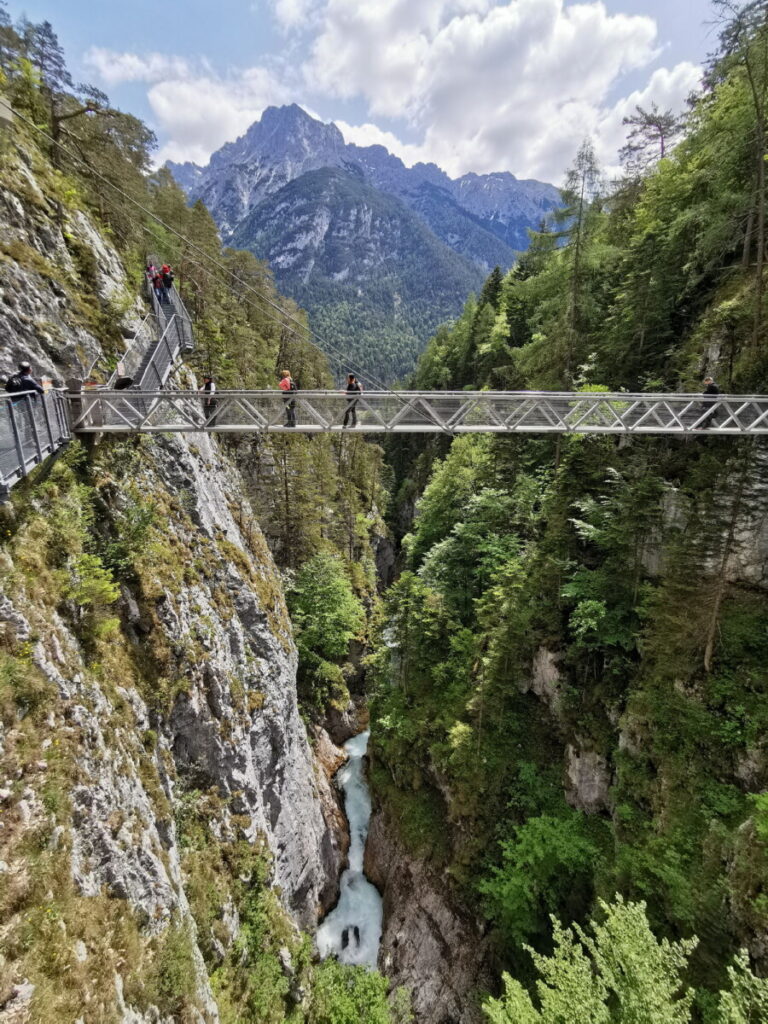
[450, 412]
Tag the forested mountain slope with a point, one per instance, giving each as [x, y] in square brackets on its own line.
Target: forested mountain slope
[376, 279]
[574, 675]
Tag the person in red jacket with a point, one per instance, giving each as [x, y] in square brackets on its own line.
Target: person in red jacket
[159, 285]
[289, 388]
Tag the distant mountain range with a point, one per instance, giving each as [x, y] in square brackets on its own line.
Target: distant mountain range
[378, 253]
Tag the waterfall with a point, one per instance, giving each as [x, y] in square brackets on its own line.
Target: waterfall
[352, 930]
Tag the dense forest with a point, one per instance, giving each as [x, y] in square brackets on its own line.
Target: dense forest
[575, 670]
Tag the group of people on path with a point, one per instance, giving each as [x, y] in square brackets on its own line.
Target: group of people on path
[161, 280]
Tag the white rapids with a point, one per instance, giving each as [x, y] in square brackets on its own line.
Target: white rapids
[352, 930]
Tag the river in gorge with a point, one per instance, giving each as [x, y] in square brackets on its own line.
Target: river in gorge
[352, 930]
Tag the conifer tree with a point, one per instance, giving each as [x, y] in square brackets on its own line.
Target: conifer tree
[652, 133]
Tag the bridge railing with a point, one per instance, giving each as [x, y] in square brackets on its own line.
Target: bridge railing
[424, 412]
[172, 307]
[32, 427]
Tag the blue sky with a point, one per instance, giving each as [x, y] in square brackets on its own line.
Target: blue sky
[473, 84]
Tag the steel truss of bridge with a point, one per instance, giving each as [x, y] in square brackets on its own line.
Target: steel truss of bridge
[450, 412]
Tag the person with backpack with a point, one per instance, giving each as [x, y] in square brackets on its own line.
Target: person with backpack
[289, 388]
[210, 403]
[159, 285]
[167, 275]
[354, 389]
[26, 388]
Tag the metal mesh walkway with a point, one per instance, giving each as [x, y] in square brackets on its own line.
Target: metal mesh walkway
[452, 412]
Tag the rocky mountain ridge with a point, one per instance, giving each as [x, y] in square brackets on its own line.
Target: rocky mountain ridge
[378, 253]
[287, 142]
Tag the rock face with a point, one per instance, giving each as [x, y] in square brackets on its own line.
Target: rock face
[588, 780]
[193, 704]
[337, 242]
[233, 730]
[429, 944]
[287, 143]
[49, 272]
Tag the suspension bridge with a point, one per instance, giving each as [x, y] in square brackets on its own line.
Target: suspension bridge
[33, 427]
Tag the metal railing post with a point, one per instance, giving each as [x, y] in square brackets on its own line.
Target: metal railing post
[44, 400]
[17, 439]
[33, 421]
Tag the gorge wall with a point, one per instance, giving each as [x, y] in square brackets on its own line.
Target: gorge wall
[159, 792]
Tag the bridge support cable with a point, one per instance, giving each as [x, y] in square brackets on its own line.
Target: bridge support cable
[32, 427]
[497, 412]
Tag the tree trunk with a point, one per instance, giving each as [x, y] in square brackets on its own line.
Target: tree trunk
[747, 251]
[760, 263]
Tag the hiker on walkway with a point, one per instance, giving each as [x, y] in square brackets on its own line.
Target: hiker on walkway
[21, 384]
[210, 403]
[710, 388]
[289, 388]
[160, 292]
[167, 274]
[354, 390]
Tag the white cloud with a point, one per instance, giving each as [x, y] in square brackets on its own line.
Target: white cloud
[115, 68]
[371, 135]
[483, 85]
[295, 14]
[196, 109]
[490, 85]
[200, 114]
[668, 89]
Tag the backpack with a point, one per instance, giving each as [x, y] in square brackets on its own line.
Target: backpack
[294, 385]
[15, 384]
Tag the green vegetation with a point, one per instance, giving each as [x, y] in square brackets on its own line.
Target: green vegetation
[621, 974]
[574, 667]
[327, 617]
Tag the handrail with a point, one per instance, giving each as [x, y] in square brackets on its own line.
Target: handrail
[163, 356]
[32, 427]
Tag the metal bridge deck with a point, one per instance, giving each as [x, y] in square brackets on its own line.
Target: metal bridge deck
[451, 412]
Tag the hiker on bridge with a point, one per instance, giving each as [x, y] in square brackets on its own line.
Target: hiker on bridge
[289, 387]
[167, 275]
[710, 388]
[354, 389]
[21, 384]
[210, 403]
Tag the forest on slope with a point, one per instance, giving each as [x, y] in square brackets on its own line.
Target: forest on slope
[574, 675]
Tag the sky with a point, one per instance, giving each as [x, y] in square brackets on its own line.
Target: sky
[473, 85]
